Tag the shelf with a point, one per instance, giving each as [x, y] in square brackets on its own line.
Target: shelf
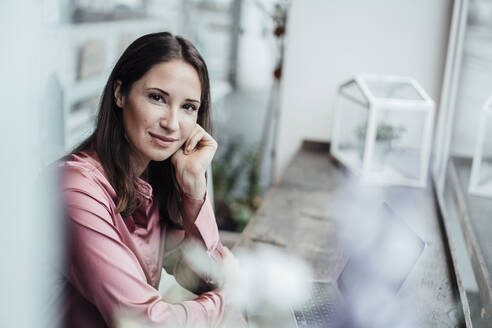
[81, 90]
[98, 27]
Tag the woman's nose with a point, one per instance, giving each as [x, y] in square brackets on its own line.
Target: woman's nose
[170, 120]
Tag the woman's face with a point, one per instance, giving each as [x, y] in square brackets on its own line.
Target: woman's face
[160, 111]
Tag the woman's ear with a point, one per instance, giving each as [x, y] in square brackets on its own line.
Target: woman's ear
[118, 97]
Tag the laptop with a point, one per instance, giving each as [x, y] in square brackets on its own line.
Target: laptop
[386, 259]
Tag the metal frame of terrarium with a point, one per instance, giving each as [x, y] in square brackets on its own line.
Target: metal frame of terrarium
[375, 105]
[475, 187]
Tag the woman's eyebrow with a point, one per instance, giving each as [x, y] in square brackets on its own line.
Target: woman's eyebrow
[167, 94]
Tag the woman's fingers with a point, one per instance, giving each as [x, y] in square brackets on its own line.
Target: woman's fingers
[227, 252]
[199, 137]
[192, 161]
[230, 267]
[230, 260]
[193, 140]
[188, 141]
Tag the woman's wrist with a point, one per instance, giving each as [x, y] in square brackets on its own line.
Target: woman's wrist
[198, 190]
[197, 197]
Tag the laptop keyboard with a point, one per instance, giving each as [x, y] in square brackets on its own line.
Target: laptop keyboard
[321, 308]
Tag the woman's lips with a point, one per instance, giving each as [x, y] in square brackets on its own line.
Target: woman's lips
[162, 140]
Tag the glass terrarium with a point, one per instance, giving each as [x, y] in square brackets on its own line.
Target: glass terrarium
[481, 173]
[382, 129]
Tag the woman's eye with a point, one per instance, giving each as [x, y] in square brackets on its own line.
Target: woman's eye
[156, 97]
[189, 107]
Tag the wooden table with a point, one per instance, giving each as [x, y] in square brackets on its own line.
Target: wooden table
[299, 215]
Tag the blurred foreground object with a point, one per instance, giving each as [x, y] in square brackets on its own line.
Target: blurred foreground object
[316, 206]
[270, 280]
[29, 237]
[383, 129]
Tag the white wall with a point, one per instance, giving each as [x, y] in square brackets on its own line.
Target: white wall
[330, 41]
[257, 51]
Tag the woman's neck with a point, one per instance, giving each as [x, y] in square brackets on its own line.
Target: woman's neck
[138, 164]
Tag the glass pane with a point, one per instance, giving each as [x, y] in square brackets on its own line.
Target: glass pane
[392, 90]
[399, 142]
[352, 91]
[353, 113]
[211, 34]
[466, 209]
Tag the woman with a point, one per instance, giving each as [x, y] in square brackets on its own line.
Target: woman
[135, 192]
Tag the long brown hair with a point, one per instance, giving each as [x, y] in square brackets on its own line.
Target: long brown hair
[108, 139]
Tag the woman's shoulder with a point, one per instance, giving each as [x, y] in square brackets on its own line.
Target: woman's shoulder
[84, 173]
[86, 193]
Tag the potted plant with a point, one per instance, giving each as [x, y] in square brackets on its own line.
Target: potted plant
[237, 193]
[385, 135]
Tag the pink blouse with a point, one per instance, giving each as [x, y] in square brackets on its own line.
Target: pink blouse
[114, 263]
